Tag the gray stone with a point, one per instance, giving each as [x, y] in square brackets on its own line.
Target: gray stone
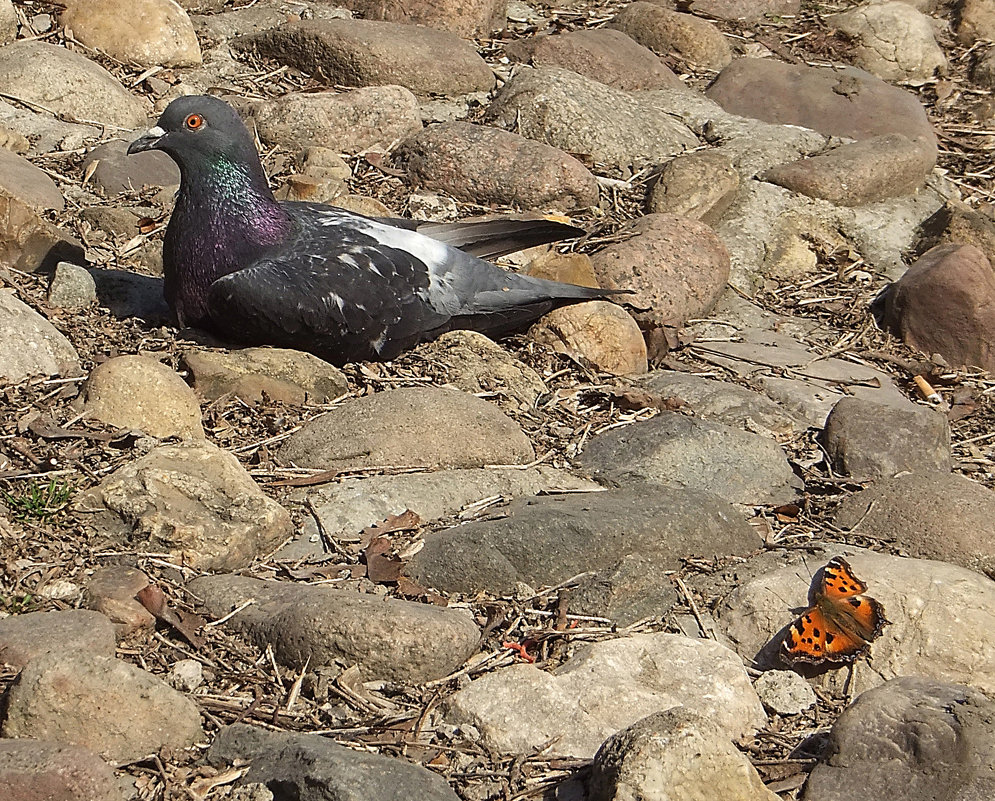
[371, 117]
[546, 540]
[101, 703]
[784, 692]
[867, 440]
[291, 376]
[910, 738]
[140, 392]
[192, 500]
[413, 427]
[604, 688]
[673, 450]
[928, 515]
[579, 115]
[72, 287]
[309, 767]
[35, 769]
[319, 626]
[24, 637]
[69, 84]
[8, 22]
[117, 172]
[186, 675]
[938, 617]
[895, 42]
[354, 52]
[347, 507]
[679, 755]
[31, 345]
[724, 402]
[44, 132]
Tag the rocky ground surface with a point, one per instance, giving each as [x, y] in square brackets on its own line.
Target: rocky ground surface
[560, 566]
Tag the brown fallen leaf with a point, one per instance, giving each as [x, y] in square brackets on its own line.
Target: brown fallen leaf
[406, 521]
[186, 624]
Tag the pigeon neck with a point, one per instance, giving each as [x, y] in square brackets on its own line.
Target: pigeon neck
[243, 202]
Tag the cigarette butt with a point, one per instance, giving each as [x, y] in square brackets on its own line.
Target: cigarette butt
[927, 390]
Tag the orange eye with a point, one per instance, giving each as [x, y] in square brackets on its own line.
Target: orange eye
[194, 122]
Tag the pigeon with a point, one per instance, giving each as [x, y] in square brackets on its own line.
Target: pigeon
[346, 287]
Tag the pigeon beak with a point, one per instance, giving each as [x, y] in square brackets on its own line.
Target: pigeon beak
[147, 141]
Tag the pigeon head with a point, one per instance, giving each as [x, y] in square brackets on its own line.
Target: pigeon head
[198, 131]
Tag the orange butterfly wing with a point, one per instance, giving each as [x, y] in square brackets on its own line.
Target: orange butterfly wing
[841, 624]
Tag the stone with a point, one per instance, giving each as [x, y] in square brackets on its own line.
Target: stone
[746, 10]
[31, 345]
[663, 31]
[192, 500]
[673, 450]
[466, 18]
[936, 611]
[894, 41]
[372, 117]
[41, 133]
[604, 688]
[473, 363]
[36, 770]
[676, 268]
[309, 767]
[69, 84]
[581, 116]
[837, 101]
[677, 754]
[487, 166]
[602, 54]
[289, 376]
[310, 189]
[144, 32]
[8, 22]
[140, 392]
[111, 591]
[72, 287]
[186, 675]
[867, 440]
[598, 335]
[784, 692]
[29, 184]
[319, 626]
[977, 21]
[116, 172]
[26, 636]
[548, 539]
[945, 303]
[354, 52]
[29, 242]
[699, 185]
[932, 739]
[940, 516]
[348, 506]
[568, 268]
[101, 703]
[412, 426]
[873, 169]
[724, 402]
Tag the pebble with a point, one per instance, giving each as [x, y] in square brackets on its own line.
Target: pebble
[140, 392]
[186, 675]
[72, 287]
[111, 591]
[784, 692]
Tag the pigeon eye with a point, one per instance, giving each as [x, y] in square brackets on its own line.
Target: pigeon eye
[194, 122]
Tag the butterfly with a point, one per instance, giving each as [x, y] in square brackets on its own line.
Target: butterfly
[841, 624]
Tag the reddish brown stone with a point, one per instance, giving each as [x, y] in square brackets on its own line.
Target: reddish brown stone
[112, 590]
[487, 165]
[945, 303]
[676, 266]
[37, 770]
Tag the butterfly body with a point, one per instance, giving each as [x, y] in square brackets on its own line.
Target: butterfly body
[841, 623]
